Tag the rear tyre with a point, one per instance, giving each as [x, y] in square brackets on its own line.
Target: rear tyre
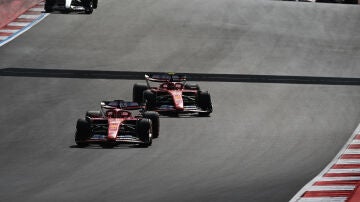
[143, 129]
[49, 4]
[89, 10]
[192, 86]
[205, 104]
[138, 90]
[82, 132]
[154, 117]
[150, 100]
[350, 2]
[93, 114]
[95, 4]
[88, 6]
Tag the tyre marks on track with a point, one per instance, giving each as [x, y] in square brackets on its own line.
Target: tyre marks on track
[22, 23]
[340, 180]
[139, 75]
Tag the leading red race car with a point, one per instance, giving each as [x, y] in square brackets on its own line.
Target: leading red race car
[115, 125]
[173, 95]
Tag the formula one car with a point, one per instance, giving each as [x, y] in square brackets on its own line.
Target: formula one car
[71, 5]
[173, 95]
[114, 124]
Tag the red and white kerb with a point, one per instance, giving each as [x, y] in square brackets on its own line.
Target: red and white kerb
[22, 23]
[340, 180]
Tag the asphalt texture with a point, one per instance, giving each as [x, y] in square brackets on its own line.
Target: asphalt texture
[263, 141]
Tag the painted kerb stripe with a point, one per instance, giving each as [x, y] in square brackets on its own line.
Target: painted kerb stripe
[330, 171]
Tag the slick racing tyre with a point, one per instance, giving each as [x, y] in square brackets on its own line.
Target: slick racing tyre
[49, 4]
[204, 103]
[143, 130]
[150, 100]
[192, 86]
[138, 90]
[82, 132]
[154, 117]
[88, 6]
[93, 114]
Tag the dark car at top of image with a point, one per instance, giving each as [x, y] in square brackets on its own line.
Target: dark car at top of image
[173, 95]
[329, 1]
[70, 5]
[114, 124]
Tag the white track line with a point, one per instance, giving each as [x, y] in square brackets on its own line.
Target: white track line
[332, 188]
[348, 161]
[323, 199]
[352, 170]
[9, 30]
[36, 9]
[352, 151]
[28, 16]
[22, 24]
[338, 179]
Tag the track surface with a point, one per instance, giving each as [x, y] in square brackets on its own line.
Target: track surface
[262, 143]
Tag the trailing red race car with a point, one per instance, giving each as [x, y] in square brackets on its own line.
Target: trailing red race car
[173, 95]
[115, 125]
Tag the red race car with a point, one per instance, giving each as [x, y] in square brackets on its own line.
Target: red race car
[115, 125]
[173, 95]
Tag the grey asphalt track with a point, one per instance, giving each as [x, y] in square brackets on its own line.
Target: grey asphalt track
[262, 143]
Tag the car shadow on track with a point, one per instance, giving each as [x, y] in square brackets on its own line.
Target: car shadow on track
[121, 146]
[184, 117]
[67, 13]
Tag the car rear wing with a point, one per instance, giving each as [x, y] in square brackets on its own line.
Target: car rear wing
[165, 77]
[121, 104]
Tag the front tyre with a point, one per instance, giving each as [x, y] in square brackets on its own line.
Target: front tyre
[192, 86]
[154, 117]
[150, 100]
[204, 102]
[88, 6]
[93, 114]
[138, 90]
[82, 132]
[49, 4]
[144, 130]
[95, 4]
